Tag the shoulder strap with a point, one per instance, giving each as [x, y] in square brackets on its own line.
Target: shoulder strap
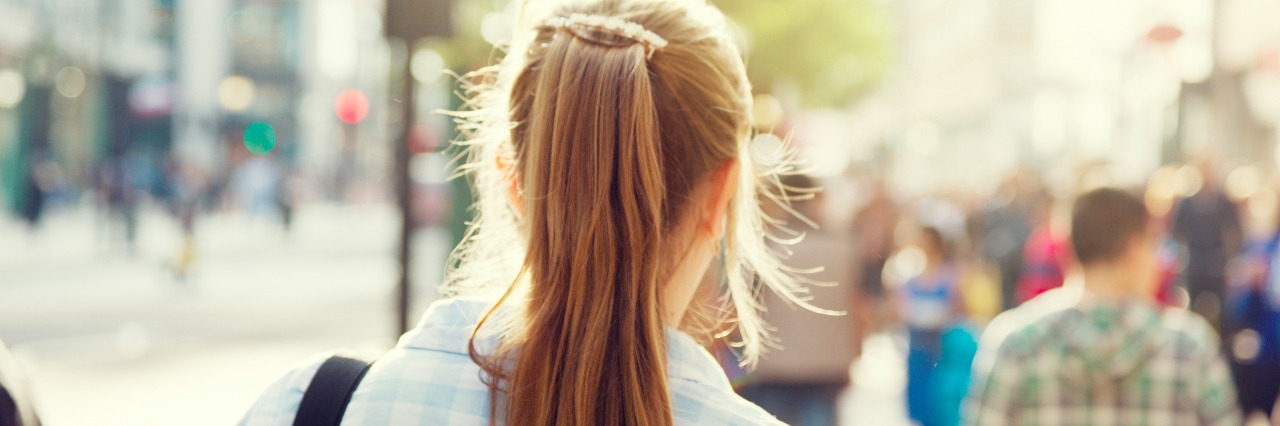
[326, 398]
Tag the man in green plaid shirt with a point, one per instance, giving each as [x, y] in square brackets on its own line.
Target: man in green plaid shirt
[1101, 351]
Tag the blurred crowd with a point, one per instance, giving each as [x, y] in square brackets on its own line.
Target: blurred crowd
[933, 269]
[119, 188]
[938, 268]
[120, 184]
[122, 108]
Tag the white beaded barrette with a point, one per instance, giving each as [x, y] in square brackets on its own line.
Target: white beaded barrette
[612, 25]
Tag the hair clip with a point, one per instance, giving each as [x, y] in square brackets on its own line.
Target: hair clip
[612, 25]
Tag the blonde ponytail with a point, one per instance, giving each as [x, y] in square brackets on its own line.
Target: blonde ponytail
[612, 113]
[593, 348]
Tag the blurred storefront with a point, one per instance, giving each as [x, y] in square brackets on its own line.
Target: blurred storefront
[83, 82]
[98, 92]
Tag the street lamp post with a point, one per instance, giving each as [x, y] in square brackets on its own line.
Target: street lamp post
[409, 21]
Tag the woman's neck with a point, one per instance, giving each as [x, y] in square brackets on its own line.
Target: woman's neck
[678, 292]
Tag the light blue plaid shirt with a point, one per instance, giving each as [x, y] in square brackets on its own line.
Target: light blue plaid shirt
[429, 379]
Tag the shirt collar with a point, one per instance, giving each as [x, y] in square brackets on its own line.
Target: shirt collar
[447, 325]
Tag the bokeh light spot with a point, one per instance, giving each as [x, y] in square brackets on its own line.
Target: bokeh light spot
[1262, 203]
[495, 28]
[907, 263]
[12, 88]
[767, 111]
[1246, 345]
[1188, 181]
[70, 82]
[236, 93]
[1243, 182]
[259, 138]
[426, 66]
[1161, 191]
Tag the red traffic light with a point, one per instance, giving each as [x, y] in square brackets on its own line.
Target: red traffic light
[352, 106]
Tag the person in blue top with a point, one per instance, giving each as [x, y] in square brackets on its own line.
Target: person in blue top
[609, 153]
[929, 303]
[1252, 327]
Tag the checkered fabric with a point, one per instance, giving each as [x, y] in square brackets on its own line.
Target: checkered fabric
[428, 379]
[1113, 363]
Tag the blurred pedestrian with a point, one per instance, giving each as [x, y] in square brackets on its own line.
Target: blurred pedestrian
[117, 188]
[1252, 326]
[951, 377]
[1045, 255]
[800, 380]
[1005, 225]
[35, 185]
[929, 302]
[187, 188]
[611, 165]
[16, 408]
[873, 228]
[256, 182]
[1103, 353]
[980, 286]
[287, 197]
[1207, 224]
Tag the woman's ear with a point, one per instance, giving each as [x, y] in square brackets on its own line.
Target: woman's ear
[721, 189]
[511, 181]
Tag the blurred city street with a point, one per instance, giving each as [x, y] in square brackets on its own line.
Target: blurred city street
[116, 339]
[196, 195]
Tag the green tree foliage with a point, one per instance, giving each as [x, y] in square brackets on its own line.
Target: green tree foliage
[467, 50]
[831, 51]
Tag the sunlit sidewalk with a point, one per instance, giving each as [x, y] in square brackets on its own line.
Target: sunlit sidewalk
[112, 339]
[115, 339]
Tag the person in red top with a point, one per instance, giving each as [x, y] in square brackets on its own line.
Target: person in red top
[1045, 256]
[1048, 252]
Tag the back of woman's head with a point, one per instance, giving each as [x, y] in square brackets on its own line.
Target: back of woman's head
[606, 117]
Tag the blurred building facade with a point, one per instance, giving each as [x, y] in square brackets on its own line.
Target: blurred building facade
[981, 87]
[82, 81]
[146, 85]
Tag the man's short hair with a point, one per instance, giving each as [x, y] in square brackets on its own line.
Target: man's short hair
[1103, 222]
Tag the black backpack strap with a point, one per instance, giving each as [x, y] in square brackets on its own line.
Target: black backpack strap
[330, 391]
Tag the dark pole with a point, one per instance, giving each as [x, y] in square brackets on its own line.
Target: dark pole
[410, 21]
[404, 189]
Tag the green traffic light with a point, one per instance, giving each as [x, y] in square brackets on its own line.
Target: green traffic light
[259, 138]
